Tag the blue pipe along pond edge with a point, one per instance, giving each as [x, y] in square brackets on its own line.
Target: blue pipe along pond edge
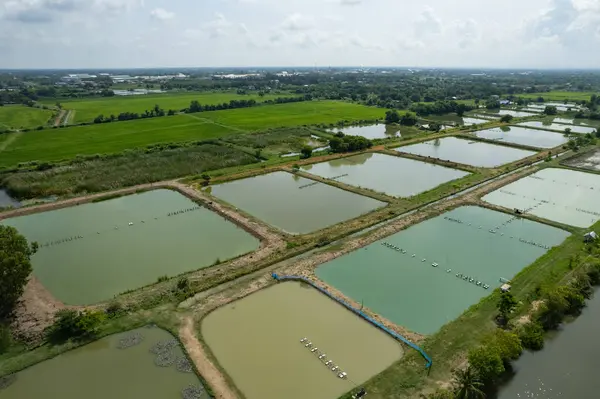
[359, 313]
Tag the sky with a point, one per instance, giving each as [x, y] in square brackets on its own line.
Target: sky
[223, 33]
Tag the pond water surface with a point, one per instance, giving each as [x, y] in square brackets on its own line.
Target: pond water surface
[112, 256]
[474, 153]
[101, 370]
[292, 203]
[523, 136]
[562, 195]
[388, 174]
[371, 132]
[7, 201]
[558, 127]
[405, 286]
[257, 341]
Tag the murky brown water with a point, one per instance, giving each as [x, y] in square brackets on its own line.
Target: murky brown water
[100, 371]
[257, 341]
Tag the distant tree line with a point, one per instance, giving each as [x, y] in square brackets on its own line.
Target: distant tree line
[440, 108]
[194, 107]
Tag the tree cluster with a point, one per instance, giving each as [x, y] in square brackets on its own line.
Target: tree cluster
[157, 111]
[15, 268]
[406, 119]
[343, 143]
[440, 108]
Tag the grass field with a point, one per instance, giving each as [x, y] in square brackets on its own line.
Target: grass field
[560, 95]
[88, 109]
[293, 114]
[66, 143]
[58, 144]
[22, 117]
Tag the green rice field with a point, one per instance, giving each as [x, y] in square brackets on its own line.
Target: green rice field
[87, 109]
[293, 114]
[22, 117]
[66, 143]
[429, 274]
[560, 95]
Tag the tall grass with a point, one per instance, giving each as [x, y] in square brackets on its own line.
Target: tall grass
[101, 173]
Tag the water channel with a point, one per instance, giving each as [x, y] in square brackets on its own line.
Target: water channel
[7, 201]
[566, 367]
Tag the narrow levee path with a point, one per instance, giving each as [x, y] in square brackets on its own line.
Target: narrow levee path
[237, 129]
[11, 139]
[204, 365]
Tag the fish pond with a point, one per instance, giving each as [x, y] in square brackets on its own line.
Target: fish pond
[370, 131]
[91, 252]
[143, 363]
[562, 195]
[473, 153]
[457, 120]
[388, 174]
[523, 136]
[588, 160]
[429, 274]
[511, 112]
[257, 340]
[566, 367]
[558, 127]
[292, 203]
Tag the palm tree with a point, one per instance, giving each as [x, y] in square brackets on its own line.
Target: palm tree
[467, 384]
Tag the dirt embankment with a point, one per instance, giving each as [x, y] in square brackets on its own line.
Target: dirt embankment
[204, 365]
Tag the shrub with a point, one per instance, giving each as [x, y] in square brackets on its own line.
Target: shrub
[183, 284]
[532, 336]
[71, 324]
[115, 309]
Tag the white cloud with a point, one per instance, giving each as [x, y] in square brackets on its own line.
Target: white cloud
[78, 33]
[162, 14]
[298, 22]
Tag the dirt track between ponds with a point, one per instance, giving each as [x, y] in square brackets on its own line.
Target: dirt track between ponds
[204, 365]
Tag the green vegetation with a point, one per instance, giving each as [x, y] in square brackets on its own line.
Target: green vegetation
[506, 118]
[108, 138]
[550, 110]
[76, 325]
[69, 142]
[342, 143]
[86, 109]
[274, 142]
[15, 268]
[101, 173]
[293, 114]
[558, 95]
[22, 117]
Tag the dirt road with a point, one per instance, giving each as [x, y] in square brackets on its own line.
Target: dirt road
[203, 364]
